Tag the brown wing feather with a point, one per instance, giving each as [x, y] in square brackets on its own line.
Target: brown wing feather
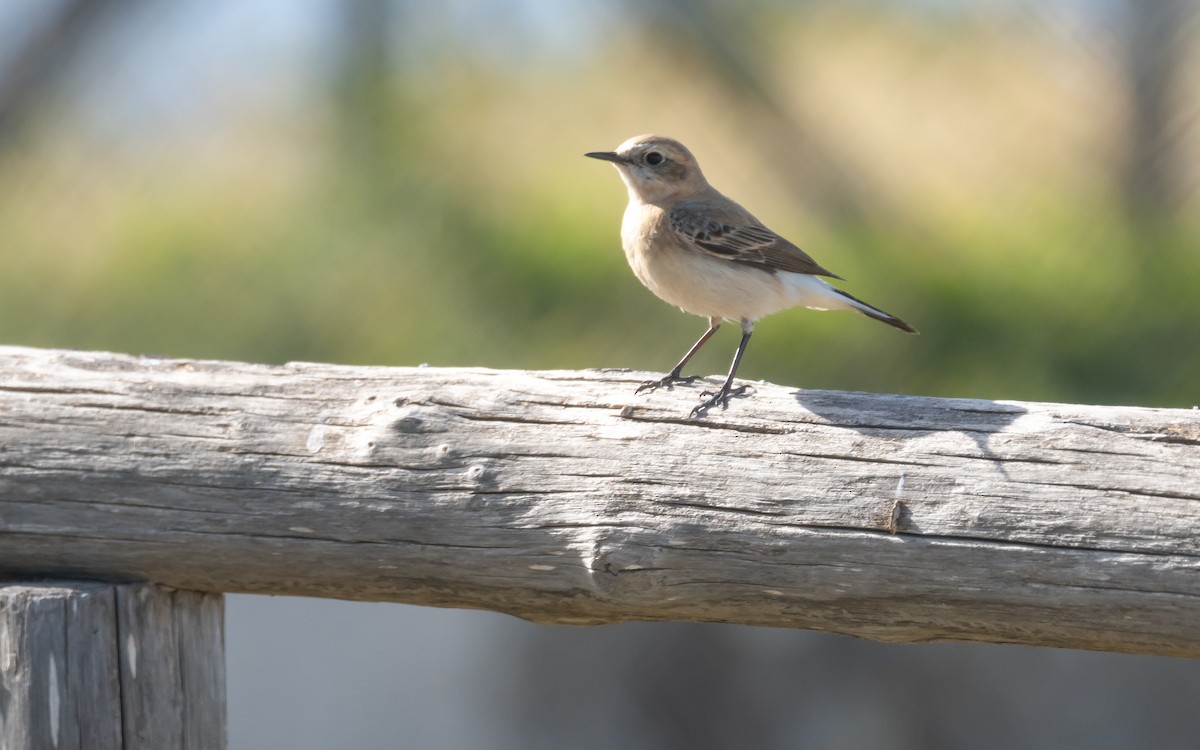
[740, 242]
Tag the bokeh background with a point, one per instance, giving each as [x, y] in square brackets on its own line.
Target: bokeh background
[392, 182]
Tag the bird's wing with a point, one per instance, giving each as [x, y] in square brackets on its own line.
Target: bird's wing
[734, 238]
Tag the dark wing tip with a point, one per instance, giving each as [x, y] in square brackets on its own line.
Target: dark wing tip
[891, 320]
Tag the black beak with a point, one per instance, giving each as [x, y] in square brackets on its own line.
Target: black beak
[612, 156]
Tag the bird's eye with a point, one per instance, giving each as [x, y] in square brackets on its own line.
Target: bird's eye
[654, 158]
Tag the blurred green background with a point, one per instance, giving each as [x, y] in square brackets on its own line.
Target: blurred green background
[402, 182]
[395, 182]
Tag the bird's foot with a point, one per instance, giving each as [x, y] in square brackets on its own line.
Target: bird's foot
[721, 397]
[668, 381]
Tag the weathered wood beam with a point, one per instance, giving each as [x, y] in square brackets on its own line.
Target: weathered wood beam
[94, 666]
[563, 497]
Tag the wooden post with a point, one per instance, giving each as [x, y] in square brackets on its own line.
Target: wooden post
[99, 666]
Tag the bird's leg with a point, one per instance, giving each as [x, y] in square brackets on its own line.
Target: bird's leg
[674, 376]
[727, 391]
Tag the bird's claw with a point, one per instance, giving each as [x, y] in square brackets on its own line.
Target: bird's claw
[668, 381]
[721, 397]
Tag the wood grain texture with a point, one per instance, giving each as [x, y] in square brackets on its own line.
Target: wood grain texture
[563, 497]
[172, 668]
[96, 666]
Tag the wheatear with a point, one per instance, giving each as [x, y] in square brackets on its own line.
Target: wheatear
[700, 251]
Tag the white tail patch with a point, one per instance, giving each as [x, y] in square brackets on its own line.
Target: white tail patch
[815, 293]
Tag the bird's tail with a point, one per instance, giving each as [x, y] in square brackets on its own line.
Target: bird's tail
[855, 303]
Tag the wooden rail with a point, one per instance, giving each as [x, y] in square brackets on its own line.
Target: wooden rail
[563, 497]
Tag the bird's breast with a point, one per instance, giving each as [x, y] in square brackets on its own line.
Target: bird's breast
[644, 241]
[691, 279]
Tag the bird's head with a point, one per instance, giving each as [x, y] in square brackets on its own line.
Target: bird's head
[655, 168]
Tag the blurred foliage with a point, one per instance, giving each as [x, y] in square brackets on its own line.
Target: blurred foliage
[465, 228]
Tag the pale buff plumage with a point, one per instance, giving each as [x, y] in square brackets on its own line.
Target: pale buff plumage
[705, 254]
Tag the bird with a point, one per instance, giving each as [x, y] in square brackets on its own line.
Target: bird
[707, 255]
